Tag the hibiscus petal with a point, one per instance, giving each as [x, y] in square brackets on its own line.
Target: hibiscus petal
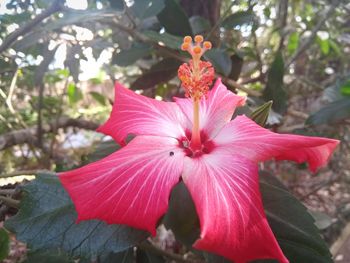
[215, 111]
[245, 137]
[140, 115]
[225, 190]
[130, 186]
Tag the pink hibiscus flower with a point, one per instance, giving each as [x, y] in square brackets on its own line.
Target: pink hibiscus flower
[193, 139]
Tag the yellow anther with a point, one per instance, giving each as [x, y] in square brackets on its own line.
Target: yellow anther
[198, 39]
[207, 44]
[187, 39]
[197, 50]
[185, 46]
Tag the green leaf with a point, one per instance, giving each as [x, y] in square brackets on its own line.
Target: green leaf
[117, 4]
[74, 94]
[99, 98]
[47, 256]
[126, 256]
[324, 45]
[161, 72]
[345, 88]
[199, 25]
[335, 47]
[4, 244]
[238, 19]
[274, 89]
[293, 42]
[130, 56]
[167, 39]
[147, 8]
[261, 114]
[174, 19]
[47, 220]
[220, 60]
[332, 113]
[292, 225]
[181, 217]
[145, 256]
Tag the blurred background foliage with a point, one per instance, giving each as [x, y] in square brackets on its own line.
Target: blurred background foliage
[60, 58]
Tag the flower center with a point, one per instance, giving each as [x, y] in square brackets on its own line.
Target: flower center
[196, 78]
[206, 145]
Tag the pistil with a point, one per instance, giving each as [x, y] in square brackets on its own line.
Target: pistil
[196, 77]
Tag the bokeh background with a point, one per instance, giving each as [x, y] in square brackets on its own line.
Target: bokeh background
[59, 60]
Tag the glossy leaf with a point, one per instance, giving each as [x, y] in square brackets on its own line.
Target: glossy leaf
[166, 39]
[130, 56]
[199, 25]
[174, 19]
[331, 113]
[238, 19]
[291, 223]
[274, 89]
[220, 60]
[147, 8]
[46, 220]
[47, 256]
[161, 72]
[4, 244]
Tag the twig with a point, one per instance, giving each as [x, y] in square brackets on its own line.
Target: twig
[23, 172]
[7, 191]
[298, 114]
[178, 258]
[29, 135]
[9, 201]
[305, 45]
[26, 28]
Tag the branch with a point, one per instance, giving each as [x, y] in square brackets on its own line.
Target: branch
[29, 135]
[9, 201]
[306, 44]
[24, 172]
[26, 28]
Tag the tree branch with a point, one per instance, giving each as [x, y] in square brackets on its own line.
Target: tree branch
[29, 135]
[26, 28]
[24, 172]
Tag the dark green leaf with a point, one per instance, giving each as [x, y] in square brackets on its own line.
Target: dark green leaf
[117, 4]
[147, 8]
[174, 19]
[47, 256]
[47, 220]
[236, 68]
[292, 225]
[199, 25]
[261, 114]
[322, 220]
[103, 149]
[126, 256]
[128, 57]
[145, 256]
[220, 60]
[167, 39]
[99, 97]
[238, 19]
[74, 94]
[159, 73]
[181, 217]
[4, 244]
[274, 89]
[332, 113]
